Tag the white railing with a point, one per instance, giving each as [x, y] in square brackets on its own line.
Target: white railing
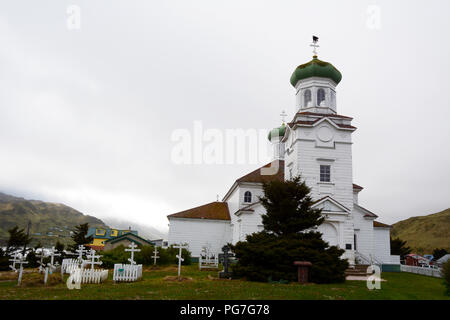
[89, 275]
[127, 272]
[431, 272]
[208, 262]
[370, 260]
[70, 265]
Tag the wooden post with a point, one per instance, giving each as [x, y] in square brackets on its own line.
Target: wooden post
[303, 267]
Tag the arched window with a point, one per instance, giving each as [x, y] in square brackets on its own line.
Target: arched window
[307, 98]
[333, 99]
[320, 96]
[247, 196]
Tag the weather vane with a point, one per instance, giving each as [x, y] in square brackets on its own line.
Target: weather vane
[315, 45]
[283, 115]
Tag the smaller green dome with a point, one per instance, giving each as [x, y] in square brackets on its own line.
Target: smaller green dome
[277, 132]
[316, 68]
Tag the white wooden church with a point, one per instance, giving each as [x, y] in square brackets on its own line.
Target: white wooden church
[317, 144]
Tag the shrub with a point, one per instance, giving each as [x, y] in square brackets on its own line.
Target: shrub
[144, 257]
[446, 276]
[113, 256]
[166, 256]
[4, 261]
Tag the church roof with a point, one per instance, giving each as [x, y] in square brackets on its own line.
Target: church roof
[367, 213]
[214, 210]
[316, 68]
[256, 176]
[377, 224]
[357, 187]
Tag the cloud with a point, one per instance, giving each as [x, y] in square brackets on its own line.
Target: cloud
[86, 116]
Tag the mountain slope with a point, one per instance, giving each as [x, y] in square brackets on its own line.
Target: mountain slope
[425, 233]
[49, 221]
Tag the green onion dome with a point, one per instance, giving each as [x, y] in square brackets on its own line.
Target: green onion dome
[316, 68]
[277, 132]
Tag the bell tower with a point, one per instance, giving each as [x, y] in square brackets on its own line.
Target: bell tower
[315, 84]
[318, 147]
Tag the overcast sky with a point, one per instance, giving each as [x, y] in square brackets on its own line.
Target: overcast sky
[87, 115]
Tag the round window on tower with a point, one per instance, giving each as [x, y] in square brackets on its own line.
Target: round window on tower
[307, 98]
[320, 96]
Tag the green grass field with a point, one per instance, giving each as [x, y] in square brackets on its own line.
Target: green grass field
[205, 285]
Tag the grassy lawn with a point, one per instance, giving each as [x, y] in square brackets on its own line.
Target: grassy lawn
[205, 285]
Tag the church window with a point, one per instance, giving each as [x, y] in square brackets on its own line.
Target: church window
[247, 196]
[307, 98]
[333, 99]
[320, 96]
[325, 173]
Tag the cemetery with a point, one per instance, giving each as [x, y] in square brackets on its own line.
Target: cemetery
[80, 277]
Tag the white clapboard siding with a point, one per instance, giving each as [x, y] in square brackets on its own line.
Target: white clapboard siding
[127, 272]
[198, 233]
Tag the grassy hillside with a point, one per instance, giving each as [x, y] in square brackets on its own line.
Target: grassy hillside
[49, 221]
[425, 233]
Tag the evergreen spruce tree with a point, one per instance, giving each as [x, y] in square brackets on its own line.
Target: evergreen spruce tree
[399, 248]
[80, 237]
[289, 235]
[59, 248]
[439, 253]
[4, 260]
[18, 239]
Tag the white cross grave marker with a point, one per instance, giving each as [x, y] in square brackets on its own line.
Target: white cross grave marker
[155, 255]
[20, 259]
[133, 249]
[91, 256]
[41, 263]
[180, 259]
[51, 266]
[81, 250]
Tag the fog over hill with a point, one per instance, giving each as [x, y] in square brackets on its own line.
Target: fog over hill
[144, 231]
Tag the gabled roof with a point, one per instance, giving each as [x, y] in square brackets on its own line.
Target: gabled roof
[128, 236]
[328, 198]
[257, 176]
[377, 224]
[214, 210]
[318, 120]
[367, 213]
[357, 187]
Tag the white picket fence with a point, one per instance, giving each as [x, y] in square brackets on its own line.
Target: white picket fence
[89, 275]
[208, 262]
[421, 270]
[127, 272]
[70, 265]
